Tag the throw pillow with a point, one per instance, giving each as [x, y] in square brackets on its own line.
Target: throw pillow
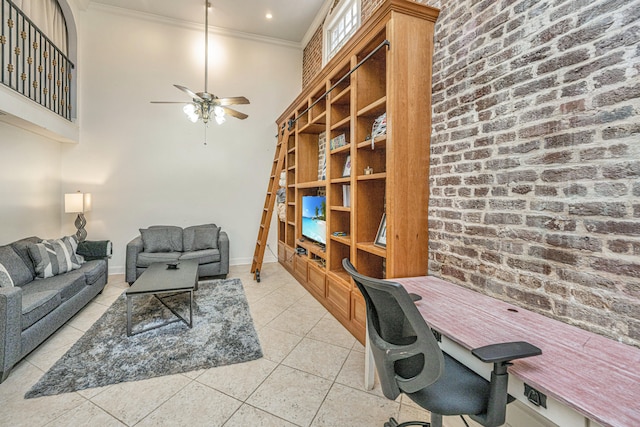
[5, 279]
[53, 257]
[18, 270]
[206, 238]
[189, 236]
[155, 239]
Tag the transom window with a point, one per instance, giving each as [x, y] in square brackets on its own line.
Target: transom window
[342, 21]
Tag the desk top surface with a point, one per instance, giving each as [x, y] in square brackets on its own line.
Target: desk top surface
[594, 375]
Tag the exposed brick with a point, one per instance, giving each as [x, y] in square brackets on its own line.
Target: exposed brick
[615, 210]
[600, 9]
[585, 279]
[583, 71]
[575, 190]
[609, 77]
[617, 96]
[522, 189]
[517, 177]
[453, 272]
[576, 89]
[569, 139]
[625, 228]
[609, 189]
[479, 179]
[552, 158]
[501, 164]
[622, 170]
[472, 204]
[548, 34]
[554, 255]
[541, 129]
[547, 205]
[618, 267]
[575, 242]
[617, 132]
[477, 154]
[513, 79]
[502, 218]
[565, 60]
[569, 174]
[545, 191]
[536, 86]
[533, 266]
[510, 204]
[551, 223]
[585, 34]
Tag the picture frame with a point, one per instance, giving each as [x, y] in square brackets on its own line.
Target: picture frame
[381, 236]
[347, 167]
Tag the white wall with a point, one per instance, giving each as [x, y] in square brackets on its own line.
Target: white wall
[147, 164]
[30, 199]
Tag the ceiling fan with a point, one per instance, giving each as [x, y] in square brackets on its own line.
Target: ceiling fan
[206, 105]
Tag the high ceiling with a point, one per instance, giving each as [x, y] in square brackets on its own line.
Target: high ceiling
[291, 18]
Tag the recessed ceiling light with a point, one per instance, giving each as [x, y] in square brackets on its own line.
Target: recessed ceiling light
[268, 16]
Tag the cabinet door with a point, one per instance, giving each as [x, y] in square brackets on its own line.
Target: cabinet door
[282, 254]
[300, 268]
[289, 255]
[317, 280]
[358, 311]
[338, 296]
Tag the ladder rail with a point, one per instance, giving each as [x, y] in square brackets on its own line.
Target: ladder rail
[269, 203]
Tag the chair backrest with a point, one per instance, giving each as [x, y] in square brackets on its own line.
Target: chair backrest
[406, 353]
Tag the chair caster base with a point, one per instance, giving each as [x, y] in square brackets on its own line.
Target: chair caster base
[393, 423]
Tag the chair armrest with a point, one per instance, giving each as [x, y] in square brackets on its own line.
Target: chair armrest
[10, 328]
[134, 247]
[504, 352]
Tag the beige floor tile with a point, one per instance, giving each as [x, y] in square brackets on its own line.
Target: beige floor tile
[411, 413]
[291, 394]
[276, 344]
[130, 402]
[86, 414]
[247, 416]
[329, 330]
[317, 358]
[352, 374]
[296, 320]
[87, 316]
[238, 380]
[264, 313]
[365, 410]
[48, 353]
[194, 405]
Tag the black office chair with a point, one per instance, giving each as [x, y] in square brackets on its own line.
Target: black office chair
[409, 360]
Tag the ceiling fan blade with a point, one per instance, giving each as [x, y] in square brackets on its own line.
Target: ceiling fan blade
[169, 102]
[235, 100]
[188, 92]
[234, 113]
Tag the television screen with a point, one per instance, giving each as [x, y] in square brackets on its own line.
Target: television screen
[314, 218]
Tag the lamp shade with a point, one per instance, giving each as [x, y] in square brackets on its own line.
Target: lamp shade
[77, 202]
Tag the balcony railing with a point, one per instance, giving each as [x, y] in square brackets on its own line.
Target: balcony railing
[32, 64]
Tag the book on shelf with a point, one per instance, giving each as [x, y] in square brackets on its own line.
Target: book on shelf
[346, 196]
[338, 141]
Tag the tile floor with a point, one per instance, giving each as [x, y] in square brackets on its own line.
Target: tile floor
[311, 374]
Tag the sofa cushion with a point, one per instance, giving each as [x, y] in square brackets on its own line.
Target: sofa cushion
[145, 259]
[19, 272]
[36, 305]
[203, 257]
[5, 278]
[22, 248]
[200, 237]
[53, 257]
[67, 285]
[93, 270]
[162, 239]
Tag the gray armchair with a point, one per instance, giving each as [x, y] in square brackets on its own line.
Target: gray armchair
[206, 243]
[409, 360]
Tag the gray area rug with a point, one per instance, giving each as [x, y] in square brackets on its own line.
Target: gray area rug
[222, 334]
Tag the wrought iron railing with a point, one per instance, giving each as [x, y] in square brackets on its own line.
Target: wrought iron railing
[32, 64]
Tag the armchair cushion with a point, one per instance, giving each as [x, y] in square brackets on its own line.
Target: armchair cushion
[162, 239]
[203, 257]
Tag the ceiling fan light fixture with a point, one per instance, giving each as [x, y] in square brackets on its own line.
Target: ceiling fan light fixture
[220, 120]
[192, 112]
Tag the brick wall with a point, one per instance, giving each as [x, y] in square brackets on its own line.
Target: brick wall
[312, 57]
[535, 166]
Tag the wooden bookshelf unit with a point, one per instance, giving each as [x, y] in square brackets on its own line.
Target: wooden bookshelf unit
[387, 64]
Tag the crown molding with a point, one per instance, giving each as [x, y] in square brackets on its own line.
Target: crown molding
[150, 17]
[319, 20]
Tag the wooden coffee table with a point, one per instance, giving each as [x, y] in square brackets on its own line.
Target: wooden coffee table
[157, 280]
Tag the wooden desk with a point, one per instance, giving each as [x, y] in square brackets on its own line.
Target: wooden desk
[592, 375]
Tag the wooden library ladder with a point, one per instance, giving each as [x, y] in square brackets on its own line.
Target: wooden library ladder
[269, 203]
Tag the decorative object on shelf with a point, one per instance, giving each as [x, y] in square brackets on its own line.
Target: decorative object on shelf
[379, 128]
[346, 196]
[322, 156]
[338, 141]
[206, 105]
[381, 237]
[347, 167]
[368, 170]
[78, 203]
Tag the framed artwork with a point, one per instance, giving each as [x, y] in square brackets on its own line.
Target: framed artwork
[347, 167]
[381, 237]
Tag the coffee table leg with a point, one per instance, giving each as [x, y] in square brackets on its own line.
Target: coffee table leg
[128, 316]
[191, 309]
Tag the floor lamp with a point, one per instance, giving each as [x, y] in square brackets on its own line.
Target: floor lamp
[78, 203]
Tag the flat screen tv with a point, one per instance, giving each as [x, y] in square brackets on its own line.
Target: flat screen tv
[314, 218]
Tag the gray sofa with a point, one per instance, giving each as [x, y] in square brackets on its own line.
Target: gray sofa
[33, 308]
[205, 243]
